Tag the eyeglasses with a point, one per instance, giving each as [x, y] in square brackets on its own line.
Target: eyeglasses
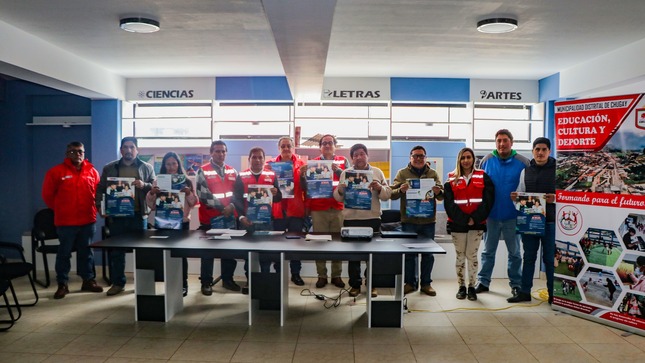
[418, 156]
[76, 152]
[327, 143]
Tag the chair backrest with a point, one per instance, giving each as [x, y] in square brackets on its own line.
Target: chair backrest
[44, 227]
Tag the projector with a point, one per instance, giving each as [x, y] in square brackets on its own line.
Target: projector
[364, 233]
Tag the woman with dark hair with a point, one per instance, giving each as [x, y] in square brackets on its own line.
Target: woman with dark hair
[171, 164]
[469, 195]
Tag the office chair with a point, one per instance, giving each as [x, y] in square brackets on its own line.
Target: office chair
[8, 272]
[43, 231]
[21, 251]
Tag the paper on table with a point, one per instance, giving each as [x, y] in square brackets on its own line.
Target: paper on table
[318, 237]
[268, 233]
[419, 245]
[232, 232]
[224, 236]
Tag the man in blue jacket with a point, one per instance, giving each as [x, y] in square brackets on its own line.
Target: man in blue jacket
[504, 166]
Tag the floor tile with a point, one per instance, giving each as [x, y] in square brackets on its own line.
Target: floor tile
[500, 353]
[323, 351]
[557, 353]
[367, 353]
[488, 334]
[149, 348]
[614, 352]
[271, 352]
[443, 353]
[204, 350]
[538, 334]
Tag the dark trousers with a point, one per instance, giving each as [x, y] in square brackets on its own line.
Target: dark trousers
[290, 224]
[354, 267]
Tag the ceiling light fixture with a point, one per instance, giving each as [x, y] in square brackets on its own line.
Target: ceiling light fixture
[139, 25]
[497, 25]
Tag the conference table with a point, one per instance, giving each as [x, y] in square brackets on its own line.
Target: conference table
[158, 253]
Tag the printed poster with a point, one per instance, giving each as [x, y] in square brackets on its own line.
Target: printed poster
[259, 200]
[419, 197]
[192, 163]
[118, 200]
[169, 211]
[600, 210]
[531, 213]
[320, 178]
[167, 182]
[222, 222]
[357, 192]
[284, 173]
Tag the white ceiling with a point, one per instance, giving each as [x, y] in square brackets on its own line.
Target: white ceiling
[307, 40]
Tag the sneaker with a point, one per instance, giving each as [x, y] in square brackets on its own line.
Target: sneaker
[207, 290]
[245, 289]
[481, 288]
[115, 290]
[461, 293]
[296, 279]
[520, 297]
[354, 291]
[428, 290]
[408, 289]
[338, 282]
[231, 285]
[472, 295]
[61, 292]
[91, 286]
[322, 282]
[374, 292]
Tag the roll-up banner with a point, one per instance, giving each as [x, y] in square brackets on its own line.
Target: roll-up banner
[600, 234]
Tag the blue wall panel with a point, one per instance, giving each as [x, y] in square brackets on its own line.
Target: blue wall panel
[252, 89]
[430, 89]
[29, 151]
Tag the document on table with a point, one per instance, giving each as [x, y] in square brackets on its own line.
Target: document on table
[223, 236]
[268, 233]
[318, 237]
[230, 232]
[419, 245]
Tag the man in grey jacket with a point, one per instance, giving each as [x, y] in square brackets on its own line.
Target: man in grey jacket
[129, 166]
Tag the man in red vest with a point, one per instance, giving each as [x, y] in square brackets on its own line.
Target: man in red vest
[326, 213]
[256, 175]
[215, 182]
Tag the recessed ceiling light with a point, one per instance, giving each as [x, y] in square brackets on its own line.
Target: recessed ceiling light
[139, 25]
[497, 25]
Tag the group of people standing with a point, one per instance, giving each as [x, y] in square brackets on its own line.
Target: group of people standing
[475, 200]
[482, 200]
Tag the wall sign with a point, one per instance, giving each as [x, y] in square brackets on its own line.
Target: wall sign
[170, 89]
[360, 89]
[507, 91]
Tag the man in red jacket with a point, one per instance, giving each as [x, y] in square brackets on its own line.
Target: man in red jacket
[69, 189]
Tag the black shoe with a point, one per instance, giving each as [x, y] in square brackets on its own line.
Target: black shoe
[184, 291]
[472, 295]
[207, 290]
[481, 288]
[245, 289]
[296, 279]
[231, 285]
[520, 297]
[515, 291]
[461, 294]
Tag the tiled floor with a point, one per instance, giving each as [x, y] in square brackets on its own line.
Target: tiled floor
[87, 327]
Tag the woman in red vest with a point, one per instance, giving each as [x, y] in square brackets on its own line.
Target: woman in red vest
[468, 198]
[289, 214]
